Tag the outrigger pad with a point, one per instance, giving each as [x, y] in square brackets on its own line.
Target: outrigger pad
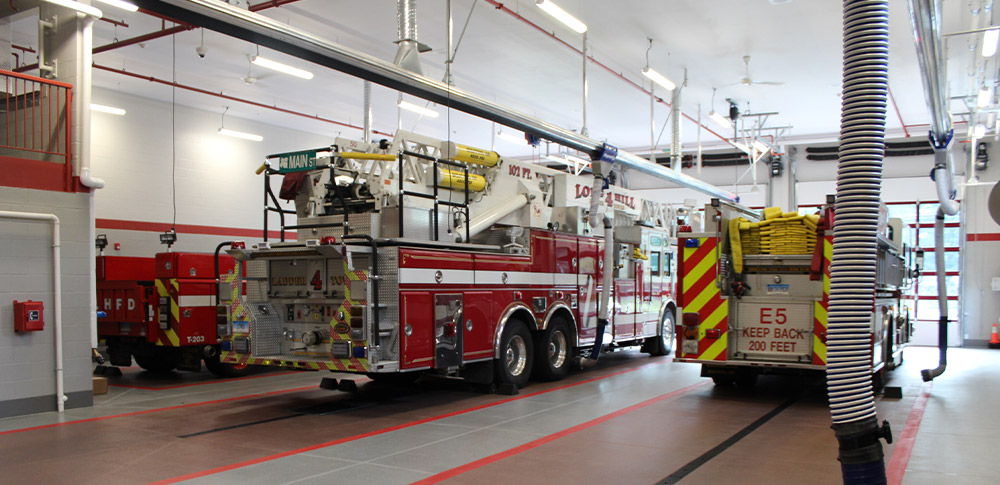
[328, 383]
[107, 371]
[347, 385]
[507, 389]
[892, 392]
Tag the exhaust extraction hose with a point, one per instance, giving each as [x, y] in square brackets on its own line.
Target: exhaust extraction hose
[942, 280]
[852, 270]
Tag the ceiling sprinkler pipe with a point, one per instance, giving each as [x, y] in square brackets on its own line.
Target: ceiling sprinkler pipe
[855, 248]
[276, 35]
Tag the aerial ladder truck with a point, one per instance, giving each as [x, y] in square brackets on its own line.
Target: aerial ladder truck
[427, 256]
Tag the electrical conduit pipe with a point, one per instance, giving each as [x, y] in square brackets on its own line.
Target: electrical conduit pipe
[56, 291]
[852, 270]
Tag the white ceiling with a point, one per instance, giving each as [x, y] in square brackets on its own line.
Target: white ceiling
[502, 58]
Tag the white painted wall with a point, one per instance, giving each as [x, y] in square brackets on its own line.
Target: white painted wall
[980, 264]
[27, 365]
[215, 180]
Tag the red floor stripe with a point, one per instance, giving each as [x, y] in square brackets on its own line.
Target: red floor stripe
[901, 453]
[454, 472]
[147, 411]
[216, 381]
[390, 429]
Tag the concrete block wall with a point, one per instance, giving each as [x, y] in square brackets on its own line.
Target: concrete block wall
[27, 361]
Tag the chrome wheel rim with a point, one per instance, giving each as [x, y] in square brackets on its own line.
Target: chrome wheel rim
[667, 334]
[516, 356]
[557, 349]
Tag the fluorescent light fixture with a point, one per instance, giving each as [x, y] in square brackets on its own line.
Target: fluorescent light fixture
[990, 39]
[658, 78]
[285, 68]
[107, 109]
[416, 108]
[408, 106]
[121, 4]
[983, 100]
[240, 134]
[79, 7]
[562, 15]
[760, 146]
[721, 120]
[506, 135]
[978, 131]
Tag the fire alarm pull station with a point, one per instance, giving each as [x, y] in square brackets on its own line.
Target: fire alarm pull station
[28, 316]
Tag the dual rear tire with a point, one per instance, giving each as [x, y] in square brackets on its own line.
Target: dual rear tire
[547, 355]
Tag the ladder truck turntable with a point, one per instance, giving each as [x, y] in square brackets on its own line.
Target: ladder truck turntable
[422, 255]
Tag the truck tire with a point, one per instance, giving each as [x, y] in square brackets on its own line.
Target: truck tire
[157, 360]
[222, 369]
[664, 342]
[553, 351]
[515, 362]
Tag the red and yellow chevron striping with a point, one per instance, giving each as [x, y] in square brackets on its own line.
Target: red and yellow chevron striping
[820, 311]
[699, 294]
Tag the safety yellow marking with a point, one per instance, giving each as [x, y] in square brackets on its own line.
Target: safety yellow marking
[698, 271]
[175, 341]
[715, 349]
[698, 302]
[827, 249]
[716, 317]
[820, 313]
[176, 285]
[819, 348]
[160, 289]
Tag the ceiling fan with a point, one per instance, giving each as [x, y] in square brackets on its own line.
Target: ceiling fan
[748, 81]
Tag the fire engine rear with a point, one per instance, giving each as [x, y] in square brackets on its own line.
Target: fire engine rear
[429, 256]
[754, 292]
[161, 311]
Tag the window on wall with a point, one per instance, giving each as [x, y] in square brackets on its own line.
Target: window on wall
[918, 231]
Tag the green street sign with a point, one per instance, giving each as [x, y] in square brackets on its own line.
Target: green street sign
[297, 161]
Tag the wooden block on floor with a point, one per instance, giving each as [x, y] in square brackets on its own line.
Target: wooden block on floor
[100, 385]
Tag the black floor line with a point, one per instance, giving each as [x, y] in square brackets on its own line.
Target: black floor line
[701, 460]
[243, 425]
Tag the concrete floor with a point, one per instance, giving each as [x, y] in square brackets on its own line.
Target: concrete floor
[632, 419]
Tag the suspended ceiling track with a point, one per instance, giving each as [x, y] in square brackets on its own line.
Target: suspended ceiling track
[258, 29]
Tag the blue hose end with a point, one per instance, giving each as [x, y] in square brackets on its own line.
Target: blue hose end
[101, 314]
[864, 473]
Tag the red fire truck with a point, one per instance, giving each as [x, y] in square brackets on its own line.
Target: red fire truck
[161, 311]
[429, 256]
[750, 312]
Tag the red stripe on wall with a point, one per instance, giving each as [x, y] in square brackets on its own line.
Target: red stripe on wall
[995, 236]
[187, 229]
[36, 174]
